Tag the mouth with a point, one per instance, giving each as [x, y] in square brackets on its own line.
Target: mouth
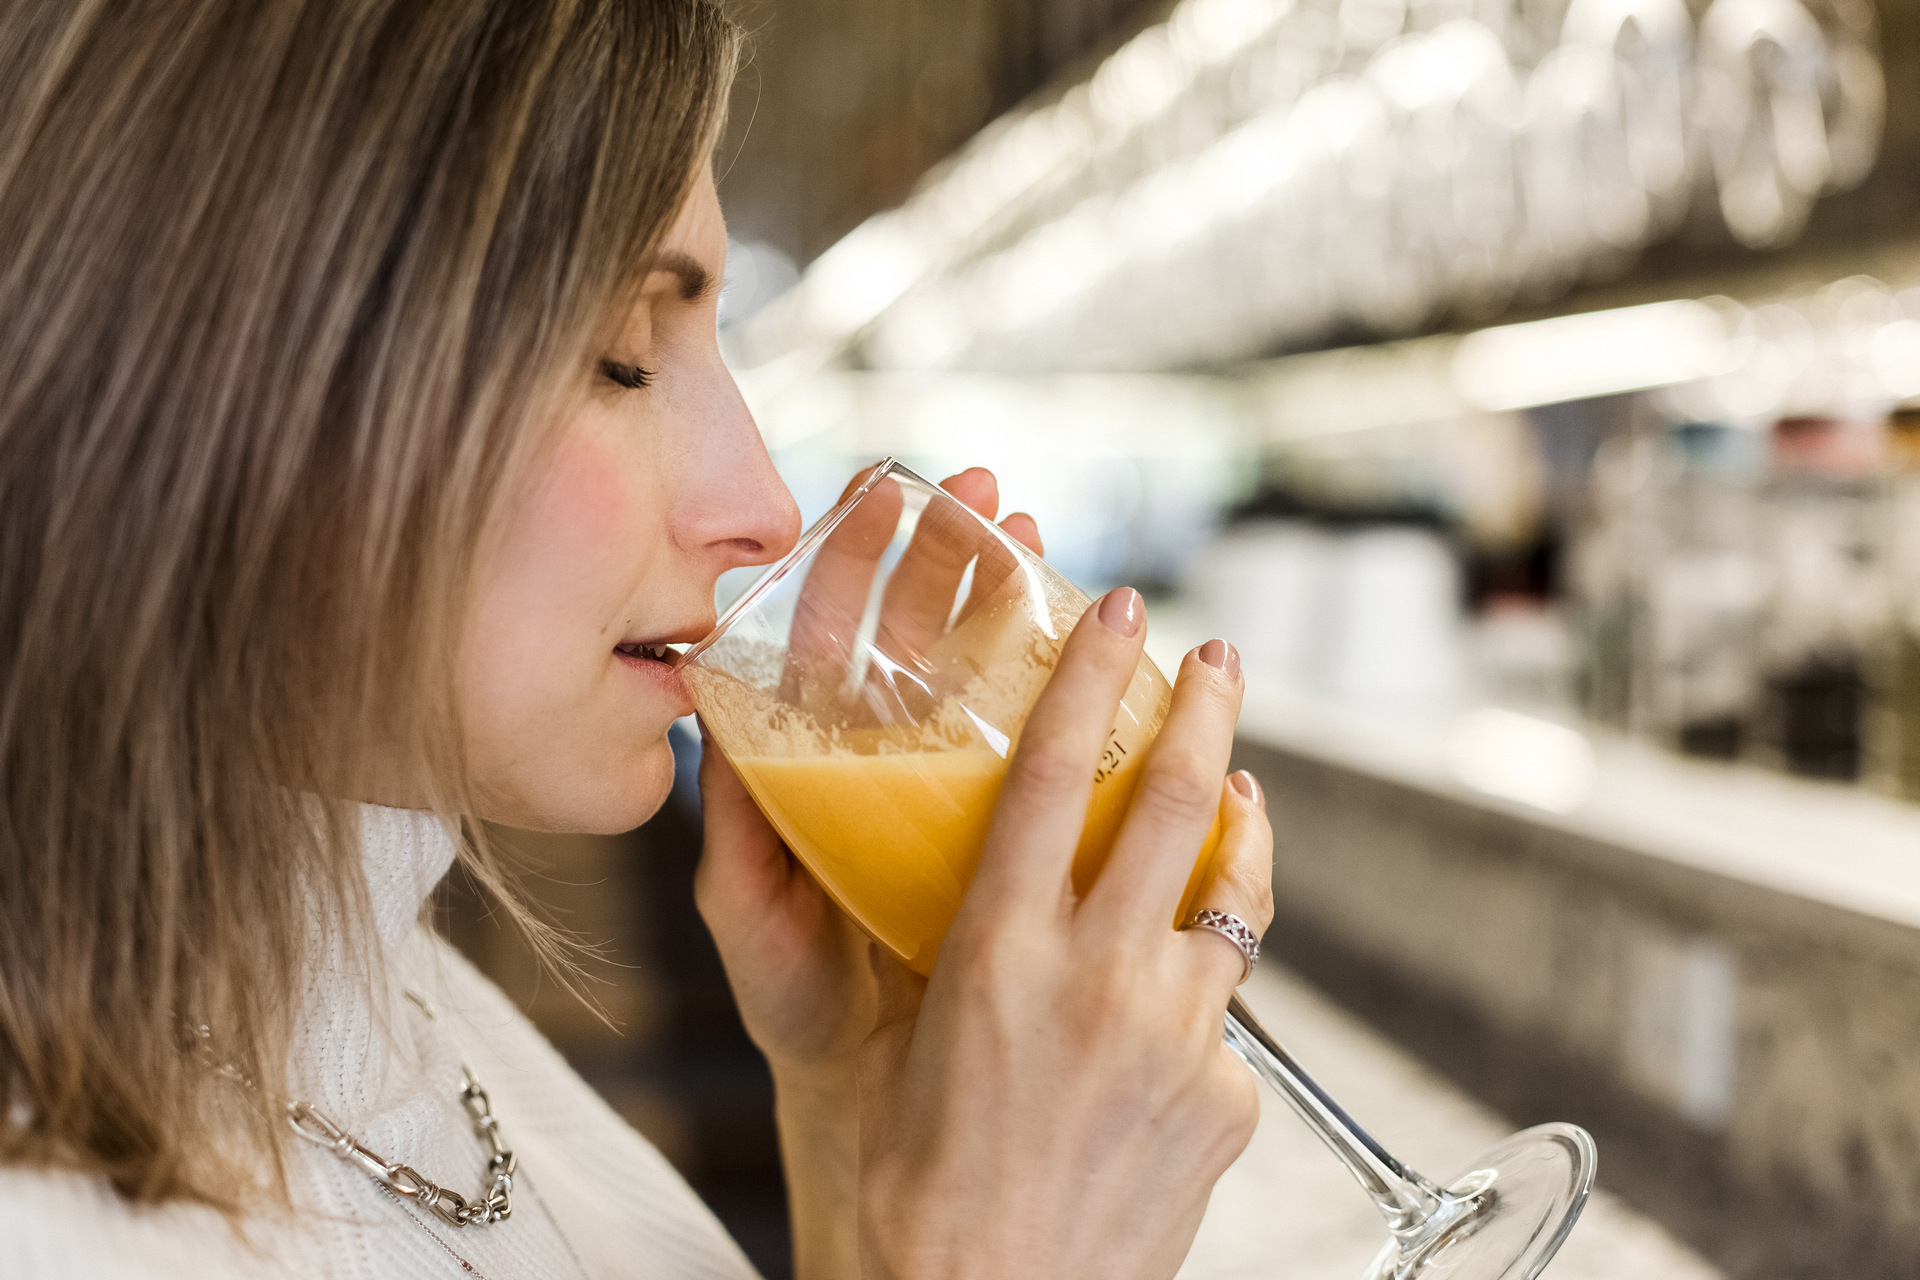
[649, 651]
[656, 662]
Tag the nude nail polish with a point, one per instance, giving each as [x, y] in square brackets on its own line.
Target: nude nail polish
[1221, 656]
[1122, 610]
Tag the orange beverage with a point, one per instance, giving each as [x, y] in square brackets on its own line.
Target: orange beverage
[895, 838]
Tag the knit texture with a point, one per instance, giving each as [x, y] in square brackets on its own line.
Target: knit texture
[592, 1199]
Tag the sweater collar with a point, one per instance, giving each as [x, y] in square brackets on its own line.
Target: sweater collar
[406, 853]
[353, 1050]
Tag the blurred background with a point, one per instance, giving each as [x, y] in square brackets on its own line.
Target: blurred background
[1531, 390]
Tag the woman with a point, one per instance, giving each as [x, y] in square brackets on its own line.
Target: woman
[362, 438]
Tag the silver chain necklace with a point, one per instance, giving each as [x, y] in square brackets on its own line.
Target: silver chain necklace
[495, 1204]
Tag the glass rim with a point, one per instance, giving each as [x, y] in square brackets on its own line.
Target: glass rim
[809, 541]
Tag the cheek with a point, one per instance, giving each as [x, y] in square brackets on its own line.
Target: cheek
[554, 585]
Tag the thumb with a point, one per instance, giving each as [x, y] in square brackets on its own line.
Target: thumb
[743, 862]
[728, 807]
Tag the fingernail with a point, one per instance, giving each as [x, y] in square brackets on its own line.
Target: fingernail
[1122, 610]
[1221, 656]
[1243, 783]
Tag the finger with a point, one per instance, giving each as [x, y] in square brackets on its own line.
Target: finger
[727, 807]
[1177, 796]
[1043, 803]
[992, 573]
[1240, 882]
[978, 488]
[826, 618]
[1022, 528]
[924, 587]
[742, 857]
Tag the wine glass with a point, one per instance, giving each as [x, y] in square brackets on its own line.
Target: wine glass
[870, 689]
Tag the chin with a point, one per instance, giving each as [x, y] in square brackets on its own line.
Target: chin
[615, 797]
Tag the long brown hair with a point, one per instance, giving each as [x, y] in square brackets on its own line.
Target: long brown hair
[285, 286]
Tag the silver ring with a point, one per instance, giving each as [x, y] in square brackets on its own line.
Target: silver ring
[1234, 930]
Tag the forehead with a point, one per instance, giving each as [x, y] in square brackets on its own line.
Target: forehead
[699, 228]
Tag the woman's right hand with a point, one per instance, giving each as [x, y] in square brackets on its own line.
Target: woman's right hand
[1057, 1100]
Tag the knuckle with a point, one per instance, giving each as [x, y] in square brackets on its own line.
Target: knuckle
[1045, 769]
[1181, 785]
[1241, 1114]
[1207, 681]
[1233, 1096]
[1223, 1108]
[990, 965]
[1262, 910]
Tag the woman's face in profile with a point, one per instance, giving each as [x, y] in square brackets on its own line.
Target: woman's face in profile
[610, 542]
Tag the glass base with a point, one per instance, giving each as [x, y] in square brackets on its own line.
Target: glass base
[1505, 1217]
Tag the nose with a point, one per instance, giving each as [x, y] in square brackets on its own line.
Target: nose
[737, 511]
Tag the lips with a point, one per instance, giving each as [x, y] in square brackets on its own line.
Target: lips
[656, 663]
[648, 651]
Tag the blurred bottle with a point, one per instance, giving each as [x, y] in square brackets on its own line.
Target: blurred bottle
[1601, 556]
[1703, 586]
[1363, 609]
[1394, 642]
[1820, 520]
[1264, 582]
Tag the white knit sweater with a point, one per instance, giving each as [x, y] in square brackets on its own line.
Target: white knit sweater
[592, 1199]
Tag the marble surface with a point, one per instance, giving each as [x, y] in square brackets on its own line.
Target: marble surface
[1287, 1210]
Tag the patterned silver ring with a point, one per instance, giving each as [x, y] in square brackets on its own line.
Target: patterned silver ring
[1234, 930]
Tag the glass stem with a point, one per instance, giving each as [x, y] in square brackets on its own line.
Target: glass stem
[1407, 1200]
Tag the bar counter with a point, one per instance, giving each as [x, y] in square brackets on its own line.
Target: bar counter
[1714, 968]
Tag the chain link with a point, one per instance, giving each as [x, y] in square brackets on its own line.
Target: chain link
[494, 1205]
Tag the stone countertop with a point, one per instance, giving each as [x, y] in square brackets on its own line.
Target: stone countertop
[1287, 1210]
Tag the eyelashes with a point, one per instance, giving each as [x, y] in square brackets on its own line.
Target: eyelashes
[630, 376]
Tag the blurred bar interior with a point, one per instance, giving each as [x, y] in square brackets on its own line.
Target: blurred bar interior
[1531, 390]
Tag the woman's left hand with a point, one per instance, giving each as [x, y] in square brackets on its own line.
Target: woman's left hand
[797, 965]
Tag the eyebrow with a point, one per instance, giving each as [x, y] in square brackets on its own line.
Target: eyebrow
[695, 280]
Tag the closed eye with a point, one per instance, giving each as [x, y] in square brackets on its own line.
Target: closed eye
[630, 376]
